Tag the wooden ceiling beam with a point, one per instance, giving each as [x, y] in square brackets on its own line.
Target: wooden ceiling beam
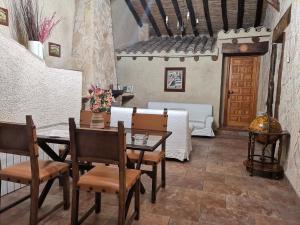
[179, 16]
[134, 13]
[150, 17]
[259, 12]
[190, 6]
[274, 3]
[240, 16]
[164, 16]
[224, 14]
[207, 17]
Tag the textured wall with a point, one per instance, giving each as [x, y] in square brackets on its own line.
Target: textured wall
[203, 81]
[62, 34]
[289, 112]
[29, 87]
[125, 28]
[93, 49]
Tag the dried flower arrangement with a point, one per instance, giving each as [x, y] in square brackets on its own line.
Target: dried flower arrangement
[29, 23]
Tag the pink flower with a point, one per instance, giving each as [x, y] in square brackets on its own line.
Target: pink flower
[46, 27]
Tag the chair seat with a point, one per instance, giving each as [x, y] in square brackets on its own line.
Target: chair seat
[21, 173]
[150, 158]
[106, 179]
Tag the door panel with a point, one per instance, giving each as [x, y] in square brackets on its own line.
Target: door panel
[241, 91]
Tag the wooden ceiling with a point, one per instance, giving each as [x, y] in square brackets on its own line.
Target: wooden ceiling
[205, 16]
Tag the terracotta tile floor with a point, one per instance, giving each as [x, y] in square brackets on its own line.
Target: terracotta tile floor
[213, 188]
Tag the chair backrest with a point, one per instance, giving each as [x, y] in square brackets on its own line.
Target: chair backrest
[155, 122]
[19, 139]
[95, 145]
[86, 116]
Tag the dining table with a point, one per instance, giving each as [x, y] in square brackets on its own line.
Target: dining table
[59, 134]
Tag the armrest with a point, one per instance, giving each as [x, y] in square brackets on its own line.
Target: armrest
[209, 121]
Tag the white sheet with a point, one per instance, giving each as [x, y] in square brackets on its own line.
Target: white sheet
[179, 144]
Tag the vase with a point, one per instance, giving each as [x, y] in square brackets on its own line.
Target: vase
[36, 48]
[97, 120]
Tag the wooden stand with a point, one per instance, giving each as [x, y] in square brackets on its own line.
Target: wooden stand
[261, 164]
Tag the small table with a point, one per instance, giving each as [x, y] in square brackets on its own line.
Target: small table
[262, 164]
[59, 134]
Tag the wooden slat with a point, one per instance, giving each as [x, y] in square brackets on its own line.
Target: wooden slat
[259, 11]
[207, 17]
[271, 81]
[246, 48]
[179, 16]
[240, 17]
[274, 3]
[192, 16]
[150, 17]
[224, 14]
[134, 13]
[282, 25]
[163, 15]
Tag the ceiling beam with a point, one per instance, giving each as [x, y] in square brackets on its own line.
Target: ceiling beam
[179, 17]
[259, 12]
[274, 3]
[134, 13]
[163, 15]
[150, 17]
[240, 16]
[224, 14]
[193, 17]
[207, 17]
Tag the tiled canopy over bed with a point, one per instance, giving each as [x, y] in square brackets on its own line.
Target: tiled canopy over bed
[190, 45]
[178, 44]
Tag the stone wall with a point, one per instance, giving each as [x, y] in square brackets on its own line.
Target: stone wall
[93, 49]
[289, 111]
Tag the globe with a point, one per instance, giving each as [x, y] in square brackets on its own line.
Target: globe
[265, 124]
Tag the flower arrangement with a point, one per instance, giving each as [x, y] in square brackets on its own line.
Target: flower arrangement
[100, 99]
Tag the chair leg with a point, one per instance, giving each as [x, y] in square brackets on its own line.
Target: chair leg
[163, 173]
[75, 205]
[66, 190]
[154, 183]
[122, 213]
[97, 203]
[34, 199]
[137, 199]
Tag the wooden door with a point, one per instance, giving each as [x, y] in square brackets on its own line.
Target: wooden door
[241, 91]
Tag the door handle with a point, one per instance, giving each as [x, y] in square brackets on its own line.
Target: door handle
[230, 92]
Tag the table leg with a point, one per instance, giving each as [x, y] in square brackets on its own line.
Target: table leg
[45, 192]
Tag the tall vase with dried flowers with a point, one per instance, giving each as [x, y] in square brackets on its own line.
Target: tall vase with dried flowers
[100, 103]
[30, 24]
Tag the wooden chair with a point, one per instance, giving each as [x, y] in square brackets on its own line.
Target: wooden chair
[153, 122]
[21, 139]
[108, 147]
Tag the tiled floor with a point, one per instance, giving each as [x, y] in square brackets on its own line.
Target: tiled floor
[213, 188]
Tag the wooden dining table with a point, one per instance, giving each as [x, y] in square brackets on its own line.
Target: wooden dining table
[59, 134]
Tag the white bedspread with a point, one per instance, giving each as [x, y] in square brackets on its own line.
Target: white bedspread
[179, 144]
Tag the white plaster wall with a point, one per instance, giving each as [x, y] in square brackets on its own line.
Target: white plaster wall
[62, 34]
[29, 87]
[203, 81]
[289, 110]
[125, 28]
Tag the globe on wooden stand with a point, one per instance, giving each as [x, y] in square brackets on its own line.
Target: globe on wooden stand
[266, 132]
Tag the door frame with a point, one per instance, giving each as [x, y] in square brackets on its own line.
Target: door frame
[225, 87]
